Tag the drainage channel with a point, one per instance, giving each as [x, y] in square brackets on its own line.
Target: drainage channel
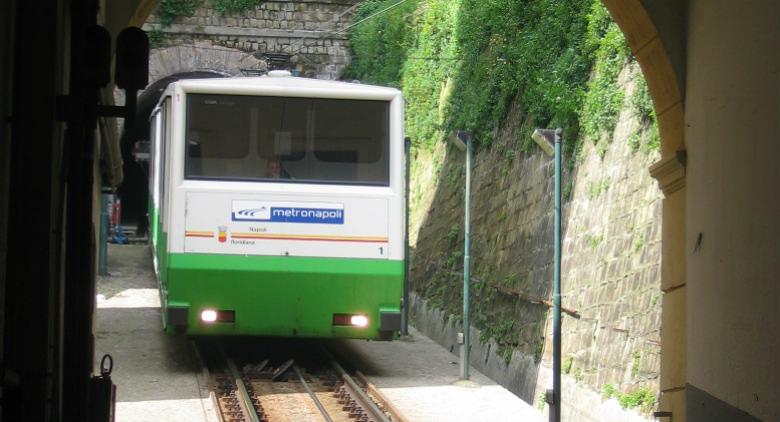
[271, 390]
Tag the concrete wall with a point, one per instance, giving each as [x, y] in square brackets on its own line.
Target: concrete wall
[733, 136]
[611, 261]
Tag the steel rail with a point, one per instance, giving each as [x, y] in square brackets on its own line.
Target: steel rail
[313, 396]
[389, 407]
[365, 402]
[243, 395]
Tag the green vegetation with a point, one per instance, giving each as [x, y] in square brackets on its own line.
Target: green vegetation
[604, 97]
[577, 374]
[156, 38]
[541, 401]
[170, 10]
[609, 391]
[503, 333]
[567, 363]
[462, 63]
[653, 140]
[473, 64]
[453, 234]
[635, 361]
[455, 258]
[639, 242]
[568, 190]
[596, 189]
[643, 397]
[634, 141]
[235, 6]
[641, 101]
[594, 240]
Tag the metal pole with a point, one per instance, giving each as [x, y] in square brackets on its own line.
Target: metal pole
[464, 355]
[557, 282]
[405, 304]
[103, 248]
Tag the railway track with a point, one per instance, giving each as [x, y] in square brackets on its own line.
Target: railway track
[275, 390]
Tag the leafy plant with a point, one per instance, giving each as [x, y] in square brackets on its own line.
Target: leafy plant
[634, 141]
[156, 38]
[653, 140]
[597, 188]
[226, 7]
[643, 398]
[170, 10]
[604, 98]
[609, 391]
[635, 361]
[541, 401]
[594, 240]
[639, 242]
[641, 101]
[453, 234]
[567, 363]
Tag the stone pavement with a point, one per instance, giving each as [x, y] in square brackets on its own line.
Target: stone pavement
[158, 376]
[420, 378]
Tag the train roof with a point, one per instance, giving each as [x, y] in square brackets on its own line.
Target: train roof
[281, 84]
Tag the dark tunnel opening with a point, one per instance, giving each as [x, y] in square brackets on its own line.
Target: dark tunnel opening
[134, 189]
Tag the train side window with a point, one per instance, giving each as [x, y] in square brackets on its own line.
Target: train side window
[165, 132]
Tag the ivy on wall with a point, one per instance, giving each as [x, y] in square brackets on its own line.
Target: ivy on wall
[462, 63]
[226, 7]
[467, 64]
[170, 10]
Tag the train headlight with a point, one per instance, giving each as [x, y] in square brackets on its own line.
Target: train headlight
[359, 320]
[208, 315]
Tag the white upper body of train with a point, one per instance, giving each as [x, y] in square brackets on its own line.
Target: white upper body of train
[278, 166]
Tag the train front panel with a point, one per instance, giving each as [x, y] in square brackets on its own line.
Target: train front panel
[287, 217]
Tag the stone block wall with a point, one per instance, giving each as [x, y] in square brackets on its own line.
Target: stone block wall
[305, 29]
[610, 270]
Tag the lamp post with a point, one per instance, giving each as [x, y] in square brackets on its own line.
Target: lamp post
[550, 142]
[462, 140]
[407, 176]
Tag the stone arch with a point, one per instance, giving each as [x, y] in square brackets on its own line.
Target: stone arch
[201, 57]
[656, 63]
[663, 82]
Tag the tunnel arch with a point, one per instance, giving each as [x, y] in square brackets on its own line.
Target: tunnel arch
[201, 56]
[657, 67]
[663, 81]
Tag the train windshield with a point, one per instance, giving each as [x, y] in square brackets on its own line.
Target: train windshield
[308, 140]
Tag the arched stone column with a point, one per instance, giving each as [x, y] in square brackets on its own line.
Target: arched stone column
[662, 81]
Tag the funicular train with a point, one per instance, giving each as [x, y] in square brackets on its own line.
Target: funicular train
[276, 207]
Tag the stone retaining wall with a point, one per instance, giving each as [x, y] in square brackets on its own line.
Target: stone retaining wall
[611, 258]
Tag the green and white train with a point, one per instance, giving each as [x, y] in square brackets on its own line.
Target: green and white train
[277, 207]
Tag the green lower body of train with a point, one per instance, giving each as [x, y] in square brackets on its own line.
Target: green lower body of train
[279, 296]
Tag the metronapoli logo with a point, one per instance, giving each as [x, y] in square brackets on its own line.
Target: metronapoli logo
[288, 212]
